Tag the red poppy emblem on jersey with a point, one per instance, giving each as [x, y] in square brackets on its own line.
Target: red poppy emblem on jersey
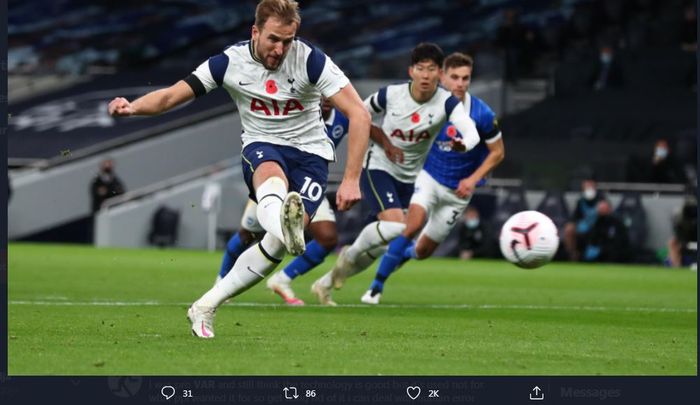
[271, 87]
[415, 118]
[451, 131]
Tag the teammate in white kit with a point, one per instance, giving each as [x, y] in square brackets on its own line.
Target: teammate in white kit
[276, 81]
[412, 115]
[449, 177]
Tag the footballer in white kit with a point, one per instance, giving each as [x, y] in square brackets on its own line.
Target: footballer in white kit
[276, 81]
[447, 181]
[411, 115]
[322, 227]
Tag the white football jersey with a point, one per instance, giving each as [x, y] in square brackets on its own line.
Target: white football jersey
[279, 106]
[412, 127]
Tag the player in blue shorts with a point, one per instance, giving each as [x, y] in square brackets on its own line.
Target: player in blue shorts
[322, 227]
[449, 177]
[276, 81]
[412, 114]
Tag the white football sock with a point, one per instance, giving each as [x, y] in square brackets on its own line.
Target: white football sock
[367, 258]
[250, 268]
[378, 233]
[327, 279]
[270, 196]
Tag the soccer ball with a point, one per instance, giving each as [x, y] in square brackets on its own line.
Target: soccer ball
[529, 239]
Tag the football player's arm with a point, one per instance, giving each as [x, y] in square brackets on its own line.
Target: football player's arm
[153, 103]
[460, 119]
[496, 154]
[378, 136]
[350, 104]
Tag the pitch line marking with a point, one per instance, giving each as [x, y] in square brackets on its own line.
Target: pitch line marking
[393, 306]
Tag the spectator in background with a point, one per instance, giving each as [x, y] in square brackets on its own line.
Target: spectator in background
[608, 72]
[682, 248]
[689, 28]
[577, 230]
[608, 240]
[663, 167]
[105, 185]
[473, 237]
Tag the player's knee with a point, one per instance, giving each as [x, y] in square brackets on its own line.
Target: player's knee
[410, 232]
[327, 240]
[423, 252]
[390, 230]
[274, 182]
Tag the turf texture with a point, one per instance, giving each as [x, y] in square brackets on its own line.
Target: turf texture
[76, 310]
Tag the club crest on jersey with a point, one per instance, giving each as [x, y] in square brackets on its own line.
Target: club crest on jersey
[337, 131]
[259, 153]
[390, 197]
[410, 136]
[273, 107]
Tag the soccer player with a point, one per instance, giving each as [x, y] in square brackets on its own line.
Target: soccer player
[322, 227]
[276, 81]
[449, 177]
[412, 115]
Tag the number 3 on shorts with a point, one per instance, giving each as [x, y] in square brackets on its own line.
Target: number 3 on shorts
[311, 189]
[454, 218]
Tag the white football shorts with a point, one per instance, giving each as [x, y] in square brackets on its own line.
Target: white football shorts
[442, 205]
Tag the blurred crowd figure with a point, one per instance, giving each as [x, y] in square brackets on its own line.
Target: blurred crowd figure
[608, 73]
[607, 241]
[660, 166]
[682, 248]
[105, 185]
[578, 230]
[474, 238]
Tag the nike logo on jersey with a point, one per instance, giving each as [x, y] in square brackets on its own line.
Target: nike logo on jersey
[244, 84]
[259, 153]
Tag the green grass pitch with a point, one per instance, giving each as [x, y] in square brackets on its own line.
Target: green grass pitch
[84, 311]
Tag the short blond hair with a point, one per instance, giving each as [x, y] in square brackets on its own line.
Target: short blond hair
[286, 10]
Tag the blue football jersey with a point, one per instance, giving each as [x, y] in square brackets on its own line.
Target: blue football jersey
[336, 127]
[448, 167]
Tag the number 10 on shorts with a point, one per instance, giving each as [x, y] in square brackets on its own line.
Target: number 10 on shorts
[311, 189]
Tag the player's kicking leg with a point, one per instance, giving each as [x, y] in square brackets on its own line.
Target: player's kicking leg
[325, 235]
[279, 212]
[268, 170]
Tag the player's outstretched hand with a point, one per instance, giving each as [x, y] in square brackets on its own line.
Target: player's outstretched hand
[347, 195]
[120, 107]
[466, 187]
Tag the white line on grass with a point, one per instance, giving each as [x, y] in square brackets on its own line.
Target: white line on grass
[399, 306]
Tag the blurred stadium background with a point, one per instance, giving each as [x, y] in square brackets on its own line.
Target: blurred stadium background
[536, 65]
